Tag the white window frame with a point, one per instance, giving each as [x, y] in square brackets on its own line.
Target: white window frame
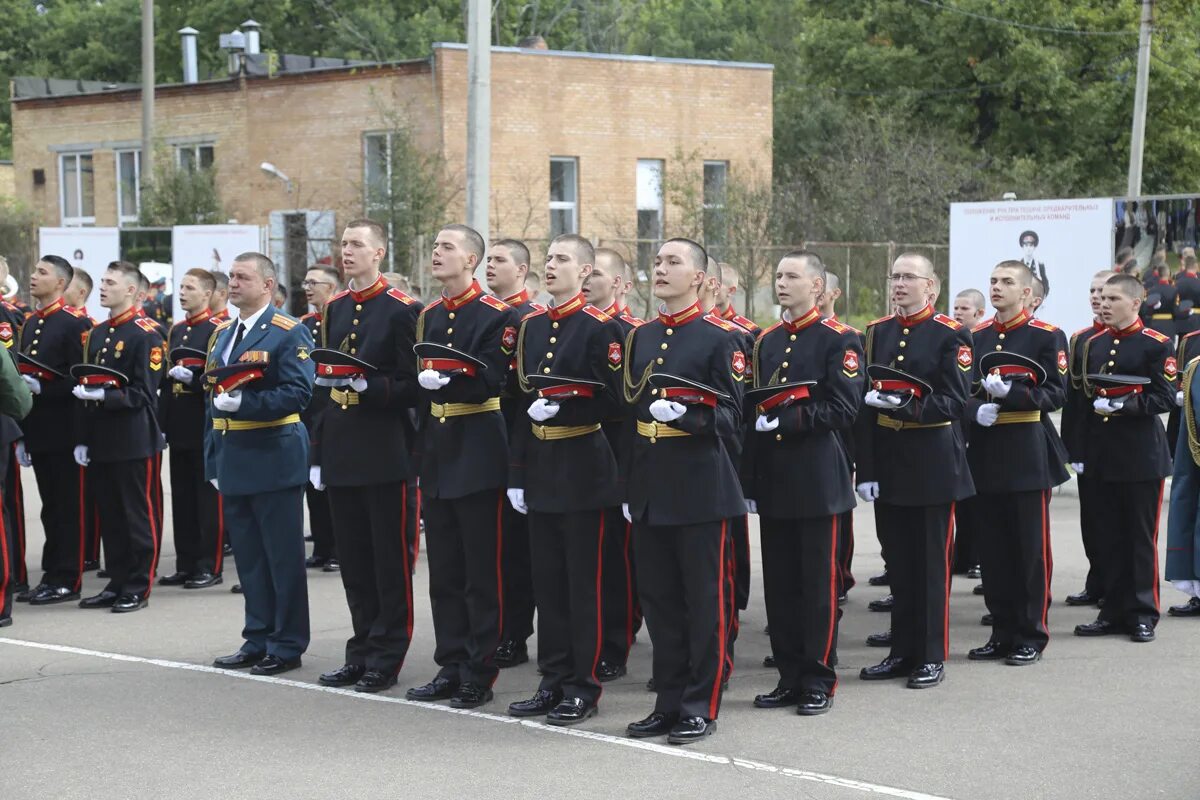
[568, 205]
[194, 148]
[660, 165]
[711, 206]
[387, 158]
[75, 220]
[124, 219]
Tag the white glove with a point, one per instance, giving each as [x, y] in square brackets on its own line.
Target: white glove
[88, 393]
[314, 477]
[214, 484]
[182, 374]
[228, 401]
[667, 410]
[987, 414]
[751, 506]
[1078, 467]
[878, 400]
[868, 491]
[33, 383]
[431, 379]
[1179, 399]
[23, 457]
[625, 511]
[81, 455]
[516, 497]
[765, 423]
[358, 383]
[996, 386]
[331, 381]
[542, 409]
[1106, 406]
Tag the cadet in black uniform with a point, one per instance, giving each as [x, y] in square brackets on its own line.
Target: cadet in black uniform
[912, 461]
[1159, 309]
[120, 435]
[808, 376]
[1014, 464]
[1125, 452]
[16, 456]
[52, 341]
[320, 284]
[464, 469]
[1187, 288]
[564, 475]
[195, 505]
[682, 490]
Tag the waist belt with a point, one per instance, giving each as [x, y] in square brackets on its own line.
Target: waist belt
[897, 425]
[179, 388]
[443, 410]
[549, 433]
[344, 397]
[1162, 316]
[223, 424]
[658, 430]
[1010, 417]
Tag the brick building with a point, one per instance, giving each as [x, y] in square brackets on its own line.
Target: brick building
[8, 186]
[579, 141]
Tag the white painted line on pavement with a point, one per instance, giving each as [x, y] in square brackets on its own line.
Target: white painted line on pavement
[637, 744]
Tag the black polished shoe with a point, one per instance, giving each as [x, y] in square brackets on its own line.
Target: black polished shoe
[20, 589]
[927, 675]
[5, 621]
[992, 651]
[1189, 609]
[103, 573]
[779, 697]
[345, 675]
[657, 724]
[332, 565]
[103, 600]
[1083, 598]
[510, 653]
[315, 562]
[1023, 656]
[978, 590]
[471, 695]
[691, 729]
[890, 667]
[987, 620]
[202, 580]
[769, 662]
[375, 681]
[1141, 632]
[880, 580]
[973, 573]
[882, 604]
[607, 671]
[174, 579]
[1100, 627]
[238, 660]
[274, 665]
[90, 566]
[437, 689]
[53, 594]
[537, 706]
[880, 639]
[571, 711]
[132, 601]
[236, 588]
[813, 703]
[227, 549]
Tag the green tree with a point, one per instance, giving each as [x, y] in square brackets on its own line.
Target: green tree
[179, 195]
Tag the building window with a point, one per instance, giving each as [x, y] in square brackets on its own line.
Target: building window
[377, 175]
[194, 156]
[715, 175]
[129, 186]
[77, 182]
[564, 196]
[649, 209]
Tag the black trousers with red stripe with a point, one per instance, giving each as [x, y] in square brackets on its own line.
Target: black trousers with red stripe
[518, 578]
[566, 552]
[60, 484]
[1091, 530]
[464, 544]
[370, 525]
[14, 523]
[320, 522]
[91, 522]
[800, 584]
[1127, 530]
[684, 589]
[127, 498]
[1014, 543]
[622, 612]
[917, 539]
[845, 552]
[195, 515]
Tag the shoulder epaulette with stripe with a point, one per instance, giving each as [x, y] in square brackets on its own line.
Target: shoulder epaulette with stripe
[881, 319]
[632, 320]
[1083, 331]
[401, 296]
[533, 314]
[987, 323]
[836, 326]
[432, 305]
[592, 311]
[722, 324]
[770, 328]
[949, 322]
[223, 325]
[746, 323]
[74, 312]
[1190, 335]
[1155, 335]
[283, 321]
[494, 302]
[1041, 324]
[309, 315]
[147, 324]
[339, 295]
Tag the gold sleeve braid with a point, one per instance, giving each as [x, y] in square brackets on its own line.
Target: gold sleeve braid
[418, 337]
[1088, 391]
[87, 344]
[524, 384]
[1189, 412]
[758, 384]
[633, 391]
[869, 345]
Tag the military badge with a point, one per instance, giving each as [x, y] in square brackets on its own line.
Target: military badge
[509, 339]
[1062, 362]
[302, 353]
[739, 365]
[6, 334]
[964, 357]
[614, 355]
[156, 358]
[1170, 368]
[850, 364]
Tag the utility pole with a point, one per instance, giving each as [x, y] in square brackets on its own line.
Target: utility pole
[147, 157]
[479, 113]
[1137, 142]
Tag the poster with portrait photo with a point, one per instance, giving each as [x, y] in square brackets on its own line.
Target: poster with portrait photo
[91, 249]
[210, 247]
[1064, 242]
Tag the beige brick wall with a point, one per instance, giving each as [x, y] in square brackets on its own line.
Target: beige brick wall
[8, 186]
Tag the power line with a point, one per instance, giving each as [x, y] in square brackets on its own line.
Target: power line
[1022, 25]
[1174, 66]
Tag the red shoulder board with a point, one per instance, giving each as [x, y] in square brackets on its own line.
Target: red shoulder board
[401, 296]
[720, 323]
[834, 325]
[637, 323]
[309, 315]
[771, 328]
[96, 323]
[746, 323]
[1186, 335]
[434, 304]
[1155, 335]
[146, 324]
[533, 314]
[987, 323]
[339, 295]
[949, 322]
[10, 307]
[1041, 324]
[881, 319]
[596, 313]
[1089, 329]
[74, 312]
[489, 300]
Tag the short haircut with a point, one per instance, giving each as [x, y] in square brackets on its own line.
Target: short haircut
[1128, 284]
[264, 265]
[331, 273]
[61, 268]
[729, 275]
[378, 231]
[1189, 263]
[1104, 273]
[974, 295]
[1029, 235]
[1039, 288]
[923, 261]
[618, 263]
[585, 252]
[221, 279]
[207, 282]
[831, 281]
[1025, 275]
[534, 278]
[696, 253]
[130, 271]
[281, 290]
[518, 249]
[471, 238]
[812, 262]
[82, 276]
[142, 281]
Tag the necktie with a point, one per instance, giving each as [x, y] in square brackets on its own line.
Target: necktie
[237, 338]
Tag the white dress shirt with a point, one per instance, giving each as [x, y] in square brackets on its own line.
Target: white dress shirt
[248, 324]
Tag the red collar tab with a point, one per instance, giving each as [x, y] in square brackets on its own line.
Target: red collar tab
[787, 396]
[519, 299]
[1015, 322]
[922, 315]
[568, 308]
[898, 386]
[125, 316]
[1132, 329]
[1118, 391]
[198, 318]
[728, 313]
[449, 365]
[614, 310]
[1098, 326]
[57, 305]
[567, 390]
[806, 319]
[687, 315]
[686, 394]
[378, 287]
[454, 303]
[221, 315]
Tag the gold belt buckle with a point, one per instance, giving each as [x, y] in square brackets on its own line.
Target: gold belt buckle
[437, 411]
[540, 432]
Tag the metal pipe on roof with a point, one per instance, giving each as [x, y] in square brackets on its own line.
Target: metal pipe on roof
[187, 42]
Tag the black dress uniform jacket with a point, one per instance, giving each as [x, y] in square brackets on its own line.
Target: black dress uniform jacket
[54, 336]
[314, 322]
[1077, 408]
[181, 406]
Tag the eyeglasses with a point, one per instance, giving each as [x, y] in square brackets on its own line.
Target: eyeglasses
[310, 284]
[907, 277]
